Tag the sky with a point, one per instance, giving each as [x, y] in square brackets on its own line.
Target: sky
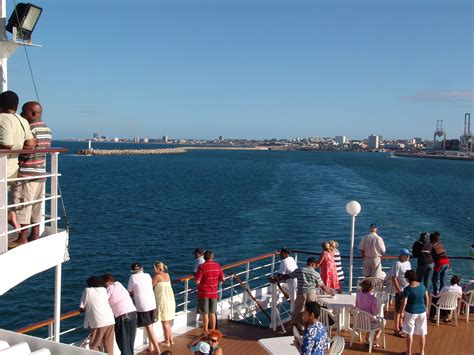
[250, 69]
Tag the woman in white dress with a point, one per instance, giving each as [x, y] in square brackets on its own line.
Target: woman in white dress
[165, 302]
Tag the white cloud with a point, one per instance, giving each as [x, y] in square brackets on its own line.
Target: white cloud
[450, 95]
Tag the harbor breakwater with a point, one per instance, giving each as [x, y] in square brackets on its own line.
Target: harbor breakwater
[179, 150]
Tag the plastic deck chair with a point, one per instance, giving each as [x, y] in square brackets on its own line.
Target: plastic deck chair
[377, 283]
[337, 345]
[297, 335]
[447, 301]
[363, 324]
[325, 317]
[468, 301]
[382, 301]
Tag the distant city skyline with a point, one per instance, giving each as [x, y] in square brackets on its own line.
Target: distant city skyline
[250, 69]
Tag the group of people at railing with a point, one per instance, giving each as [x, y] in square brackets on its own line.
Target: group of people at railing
[17, 132]
[410, 288]
[110, 310]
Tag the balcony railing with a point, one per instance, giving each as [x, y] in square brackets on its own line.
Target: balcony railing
[50, 198]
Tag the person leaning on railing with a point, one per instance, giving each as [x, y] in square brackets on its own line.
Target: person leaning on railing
[308, 282]
[15, 134]
[31, 165]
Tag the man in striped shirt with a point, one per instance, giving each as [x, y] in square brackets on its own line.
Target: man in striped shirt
[309, 281]
[31, 165]
[208, 277]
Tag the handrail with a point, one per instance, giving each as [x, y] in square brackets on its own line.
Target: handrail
[229, 266]
[72, 314]
[382, 257]
[34, 151]
[44, 323]
[247, 291]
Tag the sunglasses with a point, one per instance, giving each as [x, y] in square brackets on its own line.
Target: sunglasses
[213, 340]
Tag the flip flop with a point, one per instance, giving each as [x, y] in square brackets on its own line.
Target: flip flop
[397, 333]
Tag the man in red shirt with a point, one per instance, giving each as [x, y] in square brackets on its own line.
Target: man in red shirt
[208, 277]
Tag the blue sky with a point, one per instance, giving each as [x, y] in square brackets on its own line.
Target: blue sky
[250, 69]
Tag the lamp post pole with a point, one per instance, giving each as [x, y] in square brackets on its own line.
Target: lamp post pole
[353, 208]
[3, 37]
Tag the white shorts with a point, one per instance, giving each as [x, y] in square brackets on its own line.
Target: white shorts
[415, 324]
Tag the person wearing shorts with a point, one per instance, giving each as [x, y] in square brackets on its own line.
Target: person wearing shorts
[399, 282]
[208, 276]
[413, 307]
[140, 287]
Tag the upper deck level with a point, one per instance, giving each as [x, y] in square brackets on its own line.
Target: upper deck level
[24, 261]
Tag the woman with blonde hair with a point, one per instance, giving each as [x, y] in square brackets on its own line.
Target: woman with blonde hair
[165, 302]
[337, 260]
[328, 267]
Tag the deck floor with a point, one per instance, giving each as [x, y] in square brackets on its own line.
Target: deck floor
[243, 339]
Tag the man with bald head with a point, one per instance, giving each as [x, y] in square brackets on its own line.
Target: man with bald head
[31, 165]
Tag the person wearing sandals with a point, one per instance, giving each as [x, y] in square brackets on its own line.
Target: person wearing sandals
[415, 301]
[399, 282]
[367, 302]
[165, 302]
[141, 288]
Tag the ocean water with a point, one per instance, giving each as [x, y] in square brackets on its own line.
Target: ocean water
[239, 204]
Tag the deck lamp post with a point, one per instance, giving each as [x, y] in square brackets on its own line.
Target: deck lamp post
[353, 209]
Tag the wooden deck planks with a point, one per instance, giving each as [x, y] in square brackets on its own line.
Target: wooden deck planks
[242, 339]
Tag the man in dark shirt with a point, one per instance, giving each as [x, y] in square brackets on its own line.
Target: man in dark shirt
[421, 250]
[208, 277]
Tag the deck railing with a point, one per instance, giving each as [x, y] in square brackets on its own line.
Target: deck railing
[253, 273]
[52, 196]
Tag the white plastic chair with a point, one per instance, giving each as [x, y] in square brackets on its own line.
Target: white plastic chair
[324, 317]
[468, 301]
[377, 283]
[363, 324]
[382, 301]
[297, 335]
[336, 346]
[447, 301]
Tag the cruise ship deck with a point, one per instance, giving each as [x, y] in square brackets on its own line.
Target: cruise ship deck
[243, 339]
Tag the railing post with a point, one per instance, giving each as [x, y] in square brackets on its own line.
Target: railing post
[273, 264]
[296, 257]
[232, 297]
[273, 324]
[50, 331]
[186, 295]
[3, 205]
[247, 273]
[54, 230]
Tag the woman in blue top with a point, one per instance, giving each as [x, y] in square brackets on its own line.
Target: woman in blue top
[315, 339]
[414, 303]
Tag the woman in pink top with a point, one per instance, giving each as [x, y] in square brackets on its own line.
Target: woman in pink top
[328, 267]
[366, 301]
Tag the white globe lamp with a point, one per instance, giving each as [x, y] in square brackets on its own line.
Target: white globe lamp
[353, 208]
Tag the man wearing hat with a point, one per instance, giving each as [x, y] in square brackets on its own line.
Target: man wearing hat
[399, 283]
[199, 256]
[372, 248]
[287, 266]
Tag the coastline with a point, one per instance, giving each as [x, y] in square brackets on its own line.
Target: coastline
[158, 151]
[427, 156]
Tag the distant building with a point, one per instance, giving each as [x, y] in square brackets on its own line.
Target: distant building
[418, 140]
[145, 140]
[116, 139]
[136, 139]
[341, 140]
[374, 141]
[165, 139]
[95, 136]
[221, 138]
